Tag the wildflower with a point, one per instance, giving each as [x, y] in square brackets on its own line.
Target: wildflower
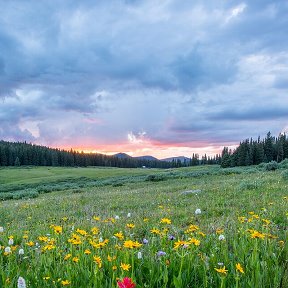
[139, 255]
[171, 237]
[130, 225]
[87, 252]
[96, 218]
[129, 215]
[7, 250]
[239, 268]
[57, 229]
[146, 219]
[155, 231]
[1, 229]
[221, 237]
[165, 221]
[21, 251]
[194, 241]
[125, 267]
[114, 267]
[219, 231]
[11, 241]
[145, 241]
[30, 243]
[198, 211]
[256, 234]
[119, 235]
[192, 228]
[181, 243]
[65, 282]
[67, 256]
[94, 230]
[25, 237]
[161, 253]
[126, 283]
[117, 217]
[46, 277]
[75, 259]
[266, 221]
[98, 261]
[82, 232]
[221, 270]
[21, 283]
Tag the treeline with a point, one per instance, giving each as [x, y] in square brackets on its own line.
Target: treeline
[22, 153]
[254, 152]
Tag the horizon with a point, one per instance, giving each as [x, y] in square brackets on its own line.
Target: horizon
[158, 78]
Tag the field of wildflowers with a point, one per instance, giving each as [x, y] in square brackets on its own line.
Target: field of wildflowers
[150, 234]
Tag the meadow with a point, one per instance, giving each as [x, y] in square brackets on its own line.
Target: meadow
[110, 227]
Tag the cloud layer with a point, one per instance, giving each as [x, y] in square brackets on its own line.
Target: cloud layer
[152, 76]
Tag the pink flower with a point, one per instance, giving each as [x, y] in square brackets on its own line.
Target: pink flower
[126, 283]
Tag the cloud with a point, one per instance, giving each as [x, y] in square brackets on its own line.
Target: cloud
[192, 74]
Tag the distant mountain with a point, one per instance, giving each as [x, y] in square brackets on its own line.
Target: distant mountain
[181, 158]
[122, 155]
[146, 157]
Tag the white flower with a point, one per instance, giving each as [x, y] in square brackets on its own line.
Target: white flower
[1, 229]
[117, 217]
[7, 249]
[139, 255]
[11, 241]
[21, 251]
[129, 215]
[221, 237]
[198, 211]
[100, 239]
[21, 283]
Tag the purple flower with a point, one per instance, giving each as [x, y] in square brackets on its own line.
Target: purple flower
[171, 237]
[161, 253]
[145, 241]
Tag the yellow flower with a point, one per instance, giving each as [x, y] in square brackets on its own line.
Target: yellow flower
[119, 235]
[87, 252]
[219, 231]
[242, 219]
[98, 261]
[57, 229]
[67, 256]
[165, 221]
[192, 228]
[266, 221]
[125, 267]
[94, 230]
[46, 278]
[239, 268]
[96, 218]
[194, 241]
[221, 270]
[155, 231]
[43, 238]
[30, 243]
[114, 267]
[81, 232]
[256, 234]
[25, 236]
[75, 259]
[181, 243]
[130, 225]
[146, 219]
[65, 282]
[131, 244]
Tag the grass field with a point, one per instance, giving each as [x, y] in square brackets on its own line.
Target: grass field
[97, 226]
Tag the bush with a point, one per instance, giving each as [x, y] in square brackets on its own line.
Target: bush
[284, 175]
[284, 164]
[250, 185]
[271, 166]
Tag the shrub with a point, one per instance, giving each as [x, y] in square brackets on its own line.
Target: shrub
[271, 166]
[284, 164]
[284, 175]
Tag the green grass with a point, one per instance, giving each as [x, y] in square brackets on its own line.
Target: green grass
[226, 195]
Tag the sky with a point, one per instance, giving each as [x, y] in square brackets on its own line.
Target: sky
[145, 77]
